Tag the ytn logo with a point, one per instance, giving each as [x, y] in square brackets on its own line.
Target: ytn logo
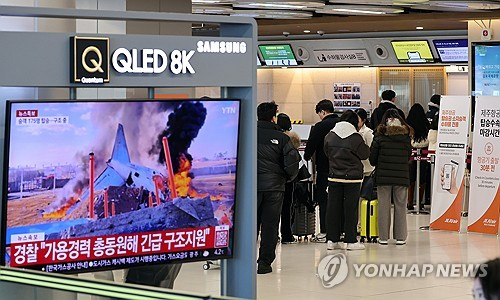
[333, 270]
[229, 110]
[89, 59]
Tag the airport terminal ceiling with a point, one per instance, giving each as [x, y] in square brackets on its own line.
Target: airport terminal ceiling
[319, 19]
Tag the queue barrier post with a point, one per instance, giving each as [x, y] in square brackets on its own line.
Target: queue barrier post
[417, 211]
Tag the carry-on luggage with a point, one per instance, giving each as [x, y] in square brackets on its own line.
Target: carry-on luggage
[369, 220]
[304, 219]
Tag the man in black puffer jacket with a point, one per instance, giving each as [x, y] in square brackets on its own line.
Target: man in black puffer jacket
[277, 163]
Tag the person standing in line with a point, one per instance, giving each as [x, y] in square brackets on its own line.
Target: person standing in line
[434, 103]
[314, 146]
[433, 116]
[389, 154]
[277, 163]
[286, 211]
[418, 122]
[345, 149]
[433, 133]
[367, 135]
[387, 102]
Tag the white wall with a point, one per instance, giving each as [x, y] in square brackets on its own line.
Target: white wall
[458, 84]
[298, 90]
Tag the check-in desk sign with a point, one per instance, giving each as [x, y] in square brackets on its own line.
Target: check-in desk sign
[91, 59]
[341, 57]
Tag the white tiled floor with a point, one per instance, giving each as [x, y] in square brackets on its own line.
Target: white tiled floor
[294, 271]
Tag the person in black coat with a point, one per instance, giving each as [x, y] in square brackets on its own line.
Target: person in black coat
[390, 153]
[345, 149]
[388, 99]
[433, 107]
[314, 146]
[277, 163]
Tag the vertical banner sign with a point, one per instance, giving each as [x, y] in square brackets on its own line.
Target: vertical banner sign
[485, 171]
[451, 151]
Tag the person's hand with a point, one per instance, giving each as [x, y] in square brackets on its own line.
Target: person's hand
[453, 183]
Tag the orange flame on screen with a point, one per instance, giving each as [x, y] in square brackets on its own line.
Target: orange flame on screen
[183, 181]
[61, 211]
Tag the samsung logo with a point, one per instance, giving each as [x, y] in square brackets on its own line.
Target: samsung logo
[221, 47]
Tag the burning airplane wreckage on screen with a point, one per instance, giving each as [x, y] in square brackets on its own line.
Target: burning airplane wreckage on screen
[128, 197]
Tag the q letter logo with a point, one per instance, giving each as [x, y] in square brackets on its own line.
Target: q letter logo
[89, 60]
[333, 270]
[97, 64]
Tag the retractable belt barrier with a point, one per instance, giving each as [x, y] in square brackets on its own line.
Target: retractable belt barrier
[425, 155]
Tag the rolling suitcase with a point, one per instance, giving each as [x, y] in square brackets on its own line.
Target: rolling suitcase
[304, 219]
[369, 220]
[304, 223]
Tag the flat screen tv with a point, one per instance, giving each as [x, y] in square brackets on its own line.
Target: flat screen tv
[452, 51]
[485, 69]
[278, 55]
[94, 185]
[412, 52]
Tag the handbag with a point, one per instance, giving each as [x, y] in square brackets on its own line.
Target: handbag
[303, 173]
[368, 187]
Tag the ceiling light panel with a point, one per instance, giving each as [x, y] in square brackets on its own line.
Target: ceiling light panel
[272, 14]
[294, 5]
[381, 2]
[466, 5]
[212, 9]
[358, 10]
[194, 2]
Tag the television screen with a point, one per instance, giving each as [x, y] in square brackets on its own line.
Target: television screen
[93, 185]
[485, 69]
[278, 55]
[452, 50]
[412, 52]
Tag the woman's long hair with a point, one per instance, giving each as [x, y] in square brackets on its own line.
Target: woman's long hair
[351, 117]
[363, 115]
[419, 122]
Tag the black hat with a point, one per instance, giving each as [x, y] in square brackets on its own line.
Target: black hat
[436, 99]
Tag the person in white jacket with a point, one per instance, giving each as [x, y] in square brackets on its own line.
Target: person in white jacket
[433, 133]
[367, 135]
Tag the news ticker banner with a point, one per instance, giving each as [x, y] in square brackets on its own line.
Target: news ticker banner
[451, 152]
[87, 253]
[484, 201]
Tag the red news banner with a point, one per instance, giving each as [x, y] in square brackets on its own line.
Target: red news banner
[27, 254]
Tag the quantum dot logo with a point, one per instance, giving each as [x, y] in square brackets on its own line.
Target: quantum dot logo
[333, 270]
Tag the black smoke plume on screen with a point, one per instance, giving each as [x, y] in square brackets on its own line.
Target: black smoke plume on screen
[182, 127]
